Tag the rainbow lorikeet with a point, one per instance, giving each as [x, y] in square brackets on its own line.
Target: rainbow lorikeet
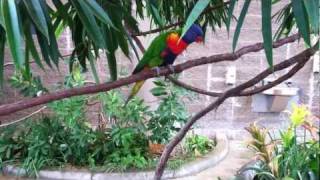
[163, 51]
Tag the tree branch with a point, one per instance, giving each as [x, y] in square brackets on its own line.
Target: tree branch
[207, 10]
[27, 103]
[301, 59]
[192, 88]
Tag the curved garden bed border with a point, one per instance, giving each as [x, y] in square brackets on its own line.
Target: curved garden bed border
[191, 168]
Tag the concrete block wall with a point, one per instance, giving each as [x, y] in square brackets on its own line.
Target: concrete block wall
[235, 113]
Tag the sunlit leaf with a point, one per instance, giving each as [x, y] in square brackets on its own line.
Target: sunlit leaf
[13, 31]
[195, 13]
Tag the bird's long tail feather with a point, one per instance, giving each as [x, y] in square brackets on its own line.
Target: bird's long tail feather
[134, 90]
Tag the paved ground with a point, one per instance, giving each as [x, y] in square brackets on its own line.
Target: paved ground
[238, 156]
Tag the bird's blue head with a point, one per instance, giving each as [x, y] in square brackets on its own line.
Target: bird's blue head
[194, 34]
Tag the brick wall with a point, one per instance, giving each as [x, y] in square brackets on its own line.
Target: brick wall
[235, 113]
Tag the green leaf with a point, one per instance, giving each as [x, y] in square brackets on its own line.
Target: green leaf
[123, 43]
[26, 72]
[153, 5]
[30, 43]
[53, 45]
[159, 91]
[312, 7]
[301, 19]
[99, 12]
[239, 24]
[230, 13]
[112, 62]
[44, 48]
[133, 46]
[2, 45]
[1, 16]
[93, 67]
[267, 29]
[112, 45]
[89, 22]
[11, 22]
[36, 13]
[195, 13]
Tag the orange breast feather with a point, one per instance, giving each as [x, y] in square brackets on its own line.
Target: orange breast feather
[174, 44]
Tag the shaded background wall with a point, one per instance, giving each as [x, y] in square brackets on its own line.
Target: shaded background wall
[235, 113]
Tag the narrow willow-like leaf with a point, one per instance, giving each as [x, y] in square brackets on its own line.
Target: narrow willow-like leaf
[36, 13]
[112, 45]
[112, 62]
[99, 12]
[134, 48]
[267, 30]
[301, 19]
[122, 41]
[195, 13]
[93, 67]
[26, 72]
[230, 13]
[153, 8]
[53, 45]
[44, 48]
[2, 45]
[239, 24]
[1, 16]
[30, 43]
[89, 22]
[63, 18]
[13, 31]
[312, 7]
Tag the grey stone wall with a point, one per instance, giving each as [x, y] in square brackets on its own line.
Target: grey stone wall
[235, 113]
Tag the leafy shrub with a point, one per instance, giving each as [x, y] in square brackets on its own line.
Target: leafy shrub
[27, 84]
[65, 137]
[198, 144]
[53, 141]
[290, 157]
[170, 114]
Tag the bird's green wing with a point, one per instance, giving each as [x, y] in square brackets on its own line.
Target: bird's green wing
[151, 57]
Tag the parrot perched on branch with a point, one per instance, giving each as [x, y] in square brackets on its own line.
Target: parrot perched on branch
[163, 51]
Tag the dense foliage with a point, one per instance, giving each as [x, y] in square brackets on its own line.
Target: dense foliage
[120, 142]
[106, 25]
[287, 154]
[199, 145]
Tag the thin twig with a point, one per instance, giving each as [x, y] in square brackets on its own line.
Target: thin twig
[192, 88]
[23, 118]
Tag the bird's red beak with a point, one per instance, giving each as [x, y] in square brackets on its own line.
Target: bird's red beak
[199, 39]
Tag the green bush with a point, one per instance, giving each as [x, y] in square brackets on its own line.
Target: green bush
[198, 145]
[290, 156]
[171, 113]
[65, 137]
